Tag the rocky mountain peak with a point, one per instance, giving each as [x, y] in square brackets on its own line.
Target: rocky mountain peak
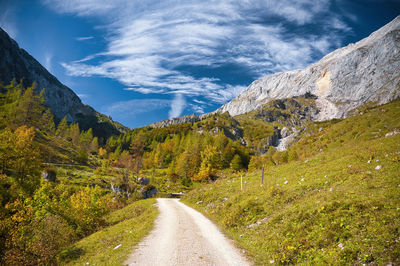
[16, 63]
[366, 71]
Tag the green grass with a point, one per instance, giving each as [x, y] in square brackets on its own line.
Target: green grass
[127, 227]
[330, 207]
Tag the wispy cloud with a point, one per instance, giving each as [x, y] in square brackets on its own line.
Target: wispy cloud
[197, 109]
[7, 21]
[83, 96]
[178, 104]
[153, 45]
[137, 106]
[84, 38]
[47, 61]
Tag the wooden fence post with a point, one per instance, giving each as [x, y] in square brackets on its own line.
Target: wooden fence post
[262, 175]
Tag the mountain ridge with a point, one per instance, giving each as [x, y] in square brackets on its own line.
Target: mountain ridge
[17, 64]
[342, 80]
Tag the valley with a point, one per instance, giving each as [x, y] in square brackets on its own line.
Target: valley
[301, 168]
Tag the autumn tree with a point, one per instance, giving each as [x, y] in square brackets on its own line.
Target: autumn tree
[94, 145]
[19, 157]
[30, 108]
[236, 163]
[136, 148]
[210, 161]
[74, 133]
[47, 122]
[85, 139]
[62, 128]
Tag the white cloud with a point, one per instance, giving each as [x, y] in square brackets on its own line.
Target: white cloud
[47, 61]
[137, 106]
[84, 38]
[151, 45]
[197, 109]
[7, 21]
[199, 101]
[338, 24]
[83, 96]
[178, 104]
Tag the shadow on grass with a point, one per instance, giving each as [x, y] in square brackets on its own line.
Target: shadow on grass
[70, 254]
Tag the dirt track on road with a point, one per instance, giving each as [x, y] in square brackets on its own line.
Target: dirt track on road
[183, 236]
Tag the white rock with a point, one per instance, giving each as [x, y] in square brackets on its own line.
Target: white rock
[378, 167]
[366, 71]
[395, 132]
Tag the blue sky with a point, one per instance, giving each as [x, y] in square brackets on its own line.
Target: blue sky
[145, 61]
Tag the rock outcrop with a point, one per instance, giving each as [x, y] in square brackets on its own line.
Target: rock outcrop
[49, 175]
[367, 71]
[179, 120]
[17, 64]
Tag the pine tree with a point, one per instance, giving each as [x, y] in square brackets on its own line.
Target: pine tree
[19, 156]
[236, 163]
[85, 139]
[8, 105]
[30, 108]
[74, 133]
[47, 122]
[62, 129]
[94, 145]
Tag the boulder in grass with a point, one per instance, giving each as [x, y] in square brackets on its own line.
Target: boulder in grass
[144, 181]
[149, 191]
[49, 175]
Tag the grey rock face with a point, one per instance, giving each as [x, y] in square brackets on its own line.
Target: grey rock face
[367, 71]
[17, 63]
[179, 120]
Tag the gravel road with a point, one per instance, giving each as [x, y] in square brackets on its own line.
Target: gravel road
[183, 236]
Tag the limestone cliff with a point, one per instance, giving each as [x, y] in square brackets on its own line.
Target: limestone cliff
[367, 71]
[179, 120]
[16, 63]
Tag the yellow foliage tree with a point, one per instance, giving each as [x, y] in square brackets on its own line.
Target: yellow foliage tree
[20, 158]
[210, 161]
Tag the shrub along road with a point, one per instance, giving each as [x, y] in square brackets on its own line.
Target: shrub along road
[183, 236]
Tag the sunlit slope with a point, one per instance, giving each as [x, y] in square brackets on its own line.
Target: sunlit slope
[339, 204]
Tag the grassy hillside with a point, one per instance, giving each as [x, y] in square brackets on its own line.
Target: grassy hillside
[338, 204]
[114, 244]
[55, 183]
